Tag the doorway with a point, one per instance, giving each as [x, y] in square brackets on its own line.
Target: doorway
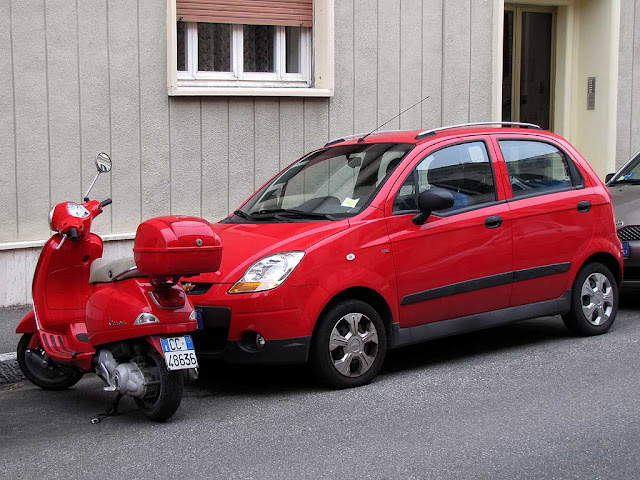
[528, 65]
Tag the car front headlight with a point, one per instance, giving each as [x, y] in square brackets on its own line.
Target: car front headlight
[268, 272]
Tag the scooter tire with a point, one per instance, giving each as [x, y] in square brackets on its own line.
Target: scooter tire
[166, 403]
[53, 377]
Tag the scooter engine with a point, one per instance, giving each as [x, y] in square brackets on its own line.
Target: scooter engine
[125, 378]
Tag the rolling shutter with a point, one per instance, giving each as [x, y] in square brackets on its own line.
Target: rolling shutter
[296, 13]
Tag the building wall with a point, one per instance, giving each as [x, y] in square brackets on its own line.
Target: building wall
[77, 77]
[628, 119]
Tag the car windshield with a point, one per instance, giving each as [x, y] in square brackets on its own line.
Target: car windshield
[629, 174]
[336, 182]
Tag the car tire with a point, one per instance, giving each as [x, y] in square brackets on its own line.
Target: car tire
[594, 301]
[349, 345]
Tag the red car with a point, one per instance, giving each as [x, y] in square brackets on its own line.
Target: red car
[383, 240]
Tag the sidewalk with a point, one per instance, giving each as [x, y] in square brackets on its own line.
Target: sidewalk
[9, 318]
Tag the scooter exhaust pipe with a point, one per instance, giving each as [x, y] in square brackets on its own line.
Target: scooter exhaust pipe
[41, 360]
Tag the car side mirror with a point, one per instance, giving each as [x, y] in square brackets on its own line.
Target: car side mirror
[430, 201]
[609, 176]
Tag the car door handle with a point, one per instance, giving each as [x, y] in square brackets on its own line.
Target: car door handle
[494, 221]
[584, 206]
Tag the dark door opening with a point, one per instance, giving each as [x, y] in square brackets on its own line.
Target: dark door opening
[527, 72]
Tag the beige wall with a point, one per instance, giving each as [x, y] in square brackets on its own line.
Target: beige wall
[90, 75]
[628, 122]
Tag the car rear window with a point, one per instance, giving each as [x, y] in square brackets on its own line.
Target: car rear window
[536, 167]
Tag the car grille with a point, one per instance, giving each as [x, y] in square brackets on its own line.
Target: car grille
[630, 233]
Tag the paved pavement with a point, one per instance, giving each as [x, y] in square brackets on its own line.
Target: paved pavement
[521, 401]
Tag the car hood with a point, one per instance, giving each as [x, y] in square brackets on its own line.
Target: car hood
[245, 243]
[626, 202]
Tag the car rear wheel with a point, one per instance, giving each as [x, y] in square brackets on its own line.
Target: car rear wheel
[594, 301]
[349, 345]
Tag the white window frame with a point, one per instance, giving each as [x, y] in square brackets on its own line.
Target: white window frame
[238, 77]
[315, 80]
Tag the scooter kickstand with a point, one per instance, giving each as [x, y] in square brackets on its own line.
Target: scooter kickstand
[113, 410]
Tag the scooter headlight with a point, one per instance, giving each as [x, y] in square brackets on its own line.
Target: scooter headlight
[268, 272]
[76, 210]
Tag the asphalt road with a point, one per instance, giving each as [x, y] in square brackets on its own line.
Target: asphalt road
[521, 401]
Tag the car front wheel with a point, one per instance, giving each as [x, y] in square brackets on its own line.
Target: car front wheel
[349, 345]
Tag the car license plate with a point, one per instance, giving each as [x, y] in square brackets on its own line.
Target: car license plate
[199, 318]
[179, 353]
[626, 251]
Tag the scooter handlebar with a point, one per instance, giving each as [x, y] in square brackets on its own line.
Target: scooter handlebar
[73, 234]
[106, 202]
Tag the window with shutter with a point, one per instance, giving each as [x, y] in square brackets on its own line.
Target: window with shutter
[250, 47]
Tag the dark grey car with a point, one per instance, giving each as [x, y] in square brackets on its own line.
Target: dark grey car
[624, 186]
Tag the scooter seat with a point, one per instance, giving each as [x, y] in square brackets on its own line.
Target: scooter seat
[105, 271]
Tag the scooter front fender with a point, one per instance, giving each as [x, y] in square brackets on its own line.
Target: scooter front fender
[28, 323]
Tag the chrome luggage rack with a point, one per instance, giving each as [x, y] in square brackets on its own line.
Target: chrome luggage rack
[434, 131]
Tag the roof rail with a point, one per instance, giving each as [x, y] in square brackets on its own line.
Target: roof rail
[433, 131]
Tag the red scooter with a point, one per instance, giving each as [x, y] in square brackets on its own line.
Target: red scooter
[125, 320]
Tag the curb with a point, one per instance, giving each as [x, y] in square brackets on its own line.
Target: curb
[9, 369]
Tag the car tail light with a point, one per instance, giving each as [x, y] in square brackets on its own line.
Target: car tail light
[171, 298]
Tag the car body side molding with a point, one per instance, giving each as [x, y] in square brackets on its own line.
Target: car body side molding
[486, 282]
[456, 326]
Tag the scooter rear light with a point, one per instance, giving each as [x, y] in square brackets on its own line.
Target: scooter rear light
[171, 298]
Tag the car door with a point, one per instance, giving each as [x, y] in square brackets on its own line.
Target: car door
[550, 212]
[459, 262]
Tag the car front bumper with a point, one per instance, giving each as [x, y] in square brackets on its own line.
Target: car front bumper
[284, 317]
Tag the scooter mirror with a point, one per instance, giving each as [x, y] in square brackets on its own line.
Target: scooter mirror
[103, 162]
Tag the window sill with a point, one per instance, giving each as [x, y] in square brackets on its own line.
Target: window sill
[190, 90]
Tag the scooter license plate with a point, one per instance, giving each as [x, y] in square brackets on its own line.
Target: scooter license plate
[179, 352]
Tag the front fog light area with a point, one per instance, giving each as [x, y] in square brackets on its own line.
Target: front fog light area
[268, 272]
[252, 341]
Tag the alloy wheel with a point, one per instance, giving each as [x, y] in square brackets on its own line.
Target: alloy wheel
[597, 299]
[353, 344]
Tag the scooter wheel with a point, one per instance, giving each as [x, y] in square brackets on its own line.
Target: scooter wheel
[42, 372]
[163, 401]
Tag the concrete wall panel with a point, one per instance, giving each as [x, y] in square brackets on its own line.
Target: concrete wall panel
[215, 158]
[125, 114]
[31, 114]
[456, 61]
[316, 123]
[154, 112]
[241, 150]
[432, 62]
[63, 91]
[186, 163]
[389, 57]
[291, 131]
[411, 63]
[267, 138]
[341, 105]
[8, 214]
[365, 31]
[95, 102]
[481, 61]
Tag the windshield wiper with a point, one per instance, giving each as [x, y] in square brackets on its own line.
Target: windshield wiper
[240, 213]
[289, 211]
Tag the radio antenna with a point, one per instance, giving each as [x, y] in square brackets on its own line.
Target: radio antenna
[361, 139]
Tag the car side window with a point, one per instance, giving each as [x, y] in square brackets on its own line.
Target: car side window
[463, 169]
[536, 167]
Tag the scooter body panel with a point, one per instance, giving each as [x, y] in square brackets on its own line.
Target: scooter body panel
[113, 308]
